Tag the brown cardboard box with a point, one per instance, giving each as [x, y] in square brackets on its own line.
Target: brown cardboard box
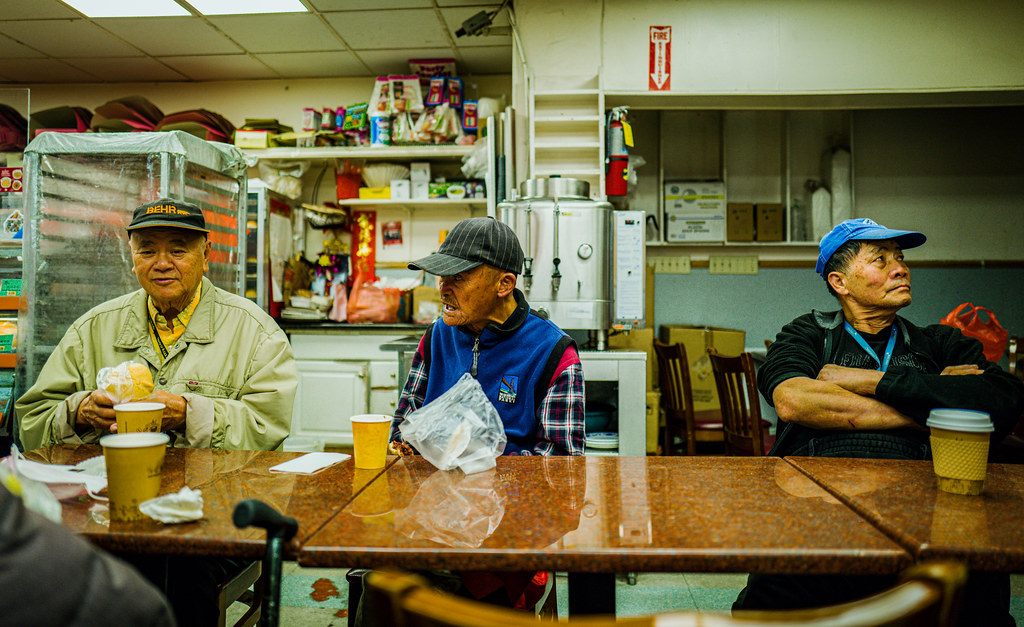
[697, 340]
[639, 340]
[426, 304]
[653, 421]
[770, 222]
[739, 222]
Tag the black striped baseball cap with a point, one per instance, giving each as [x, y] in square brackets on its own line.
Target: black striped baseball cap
[472, 242]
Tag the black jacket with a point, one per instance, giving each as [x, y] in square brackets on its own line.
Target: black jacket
[911, 384]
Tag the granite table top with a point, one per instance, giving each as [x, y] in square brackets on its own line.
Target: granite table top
[902, 499]
[604, 515]
[225, 478]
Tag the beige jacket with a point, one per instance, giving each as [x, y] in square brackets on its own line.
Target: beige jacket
[233, 365]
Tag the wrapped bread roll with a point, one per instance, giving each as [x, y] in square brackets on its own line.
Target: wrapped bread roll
[125, 382]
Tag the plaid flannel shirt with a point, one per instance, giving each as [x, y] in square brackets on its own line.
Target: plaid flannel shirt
[559, 416]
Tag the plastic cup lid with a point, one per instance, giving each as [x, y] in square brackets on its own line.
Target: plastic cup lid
[960, 420]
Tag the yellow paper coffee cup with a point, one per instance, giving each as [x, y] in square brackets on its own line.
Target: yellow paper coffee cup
[139, 416]
[370, 435]
[134, 463]
[960, 439]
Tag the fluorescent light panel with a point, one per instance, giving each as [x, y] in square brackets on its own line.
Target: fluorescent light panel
[128, 8]
[239, 7]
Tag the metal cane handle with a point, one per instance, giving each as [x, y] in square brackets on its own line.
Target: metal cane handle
[252, 512]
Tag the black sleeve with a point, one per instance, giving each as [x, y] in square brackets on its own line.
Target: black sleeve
[796, 352]
[50, 576]
[915, 394]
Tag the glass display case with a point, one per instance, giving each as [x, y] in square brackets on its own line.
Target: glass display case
[81, 190]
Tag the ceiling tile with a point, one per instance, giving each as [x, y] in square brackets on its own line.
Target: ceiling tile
[374, 30]
[384, 62]
[10, 49]
[129, 70]
[455, 17]
[219, 67]
[489, 60]
[356, 5]
[191, 36]
[37, 10]
[30, 70]
[479, 6]
[67, 38]
[278, 32]
[314, 64]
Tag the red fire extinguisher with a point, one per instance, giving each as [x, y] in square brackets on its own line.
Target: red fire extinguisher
[617, 169]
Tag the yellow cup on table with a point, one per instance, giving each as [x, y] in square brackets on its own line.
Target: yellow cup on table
[135, 462]
[370, 435]
[139, 416]
[372, 496]
[960, 439]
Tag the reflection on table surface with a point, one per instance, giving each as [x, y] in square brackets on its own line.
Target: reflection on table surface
[225, 478]
[604, 514]
[902, 499]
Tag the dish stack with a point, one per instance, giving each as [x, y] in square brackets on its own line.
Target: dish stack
[604, 440]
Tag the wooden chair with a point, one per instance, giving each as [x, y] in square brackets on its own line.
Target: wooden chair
[927, 596]
[677, 401]
[236, 588]
[745, 432]
[1015, 351]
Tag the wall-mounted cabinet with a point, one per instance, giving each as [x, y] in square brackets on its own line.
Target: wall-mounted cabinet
[567, 136]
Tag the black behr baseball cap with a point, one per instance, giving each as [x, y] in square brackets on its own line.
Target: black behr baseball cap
[472, 242]
[169, 212]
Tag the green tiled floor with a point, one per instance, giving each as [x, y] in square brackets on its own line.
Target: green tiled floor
[319, 597]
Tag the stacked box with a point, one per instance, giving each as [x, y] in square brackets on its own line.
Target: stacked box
[695, 211]
[739, 222]
[770, 223]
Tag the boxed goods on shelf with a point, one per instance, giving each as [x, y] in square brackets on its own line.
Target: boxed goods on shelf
[770, 223]
[739, 224]
[695, 211]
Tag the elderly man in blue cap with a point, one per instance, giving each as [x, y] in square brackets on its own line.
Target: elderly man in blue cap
[861, 381]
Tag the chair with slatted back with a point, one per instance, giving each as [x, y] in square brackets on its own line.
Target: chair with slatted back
[927, 596]
[1011, 449]
[745, 432]
[677, 400]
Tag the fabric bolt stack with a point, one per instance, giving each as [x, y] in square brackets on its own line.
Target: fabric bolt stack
[126, 115]
[199, 122]
[13, 129]
[63, 119]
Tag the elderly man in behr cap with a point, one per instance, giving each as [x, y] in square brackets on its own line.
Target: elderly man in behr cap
[527, 366]
[861, 381]
[221, 365]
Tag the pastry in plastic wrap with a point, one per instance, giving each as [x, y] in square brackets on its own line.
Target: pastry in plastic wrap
[127, 381]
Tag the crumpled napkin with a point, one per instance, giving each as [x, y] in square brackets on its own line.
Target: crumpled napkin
[184, 506]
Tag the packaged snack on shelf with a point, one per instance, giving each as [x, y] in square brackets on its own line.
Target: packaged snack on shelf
[469, 119]
[380, 99]
[310, 119]
[8, 336]
[405, 94]
[339, 119]
[429, 68]
[435, 95]
[401, 128]
[454, 92]
[380, 131]
[355, 117]
[327, 119]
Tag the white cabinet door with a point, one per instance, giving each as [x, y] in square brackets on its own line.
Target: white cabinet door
[329, 394]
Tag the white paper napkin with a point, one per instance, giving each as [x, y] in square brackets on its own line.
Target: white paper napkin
[310, 463]
[183, 506]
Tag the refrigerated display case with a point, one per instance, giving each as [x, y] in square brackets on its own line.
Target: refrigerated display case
[81, 190]
[269, 243]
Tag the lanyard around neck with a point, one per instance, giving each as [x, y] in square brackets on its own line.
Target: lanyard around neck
[156, 336]
[884, 362]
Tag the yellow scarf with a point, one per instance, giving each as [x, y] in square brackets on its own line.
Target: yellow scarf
[171, 332]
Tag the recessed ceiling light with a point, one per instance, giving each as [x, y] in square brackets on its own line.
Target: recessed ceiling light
[238, 7]
[127, 8]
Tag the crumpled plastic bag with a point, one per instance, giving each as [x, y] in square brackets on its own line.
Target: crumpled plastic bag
[454, 509]
[127, 381]
[63, 481]
[459, 429]
[183, 506]
[34, 494]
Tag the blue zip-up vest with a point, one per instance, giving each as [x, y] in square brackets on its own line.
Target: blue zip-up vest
[514, 365]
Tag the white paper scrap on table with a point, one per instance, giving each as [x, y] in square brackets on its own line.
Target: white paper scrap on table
[310, 463]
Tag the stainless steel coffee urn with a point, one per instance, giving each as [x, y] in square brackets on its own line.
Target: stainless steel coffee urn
[579, 254]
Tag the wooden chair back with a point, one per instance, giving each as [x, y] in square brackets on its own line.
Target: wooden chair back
[677, 401]
[745, 432]
[928, 595]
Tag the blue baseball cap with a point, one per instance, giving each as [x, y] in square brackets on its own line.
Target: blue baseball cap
[861, 229]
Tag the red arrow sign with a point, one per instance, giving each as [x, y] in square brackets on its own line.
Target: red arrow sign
[660, 73]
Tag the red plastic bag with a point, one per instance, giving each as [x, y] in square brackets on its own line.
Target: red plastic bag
[991, 334]
[369, 303]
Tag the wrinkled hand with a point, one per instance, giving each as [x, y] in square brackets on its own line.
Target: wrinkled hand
[96, 411]
[175, 408]
[962, 369]
[856, 380]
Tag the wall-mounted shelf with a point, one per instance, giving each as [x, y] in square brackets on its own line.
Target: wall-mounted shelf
[362, 152]
[8, 360]
[413, 203]
[9, 303]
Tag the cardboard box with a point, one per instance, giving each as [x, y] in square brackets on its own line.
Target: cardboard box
[374, 193]
[639, 340]
[694, 211]
[245, 138]
[739, 222]
[653, 421]
[770, 222]
[697, 340]
[419, 172]
[401, 189]
[426, 304]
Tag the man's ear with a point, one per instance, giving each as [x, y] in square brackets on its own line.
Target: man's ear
[838, 282]
[506, 283]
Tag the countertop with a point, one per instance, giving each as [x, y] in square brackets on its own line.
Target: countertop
[329, 327]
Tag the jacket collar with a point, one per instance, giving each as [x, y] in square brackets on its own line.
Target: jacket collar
[135, 329]
[831, 320]
[511, 325]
